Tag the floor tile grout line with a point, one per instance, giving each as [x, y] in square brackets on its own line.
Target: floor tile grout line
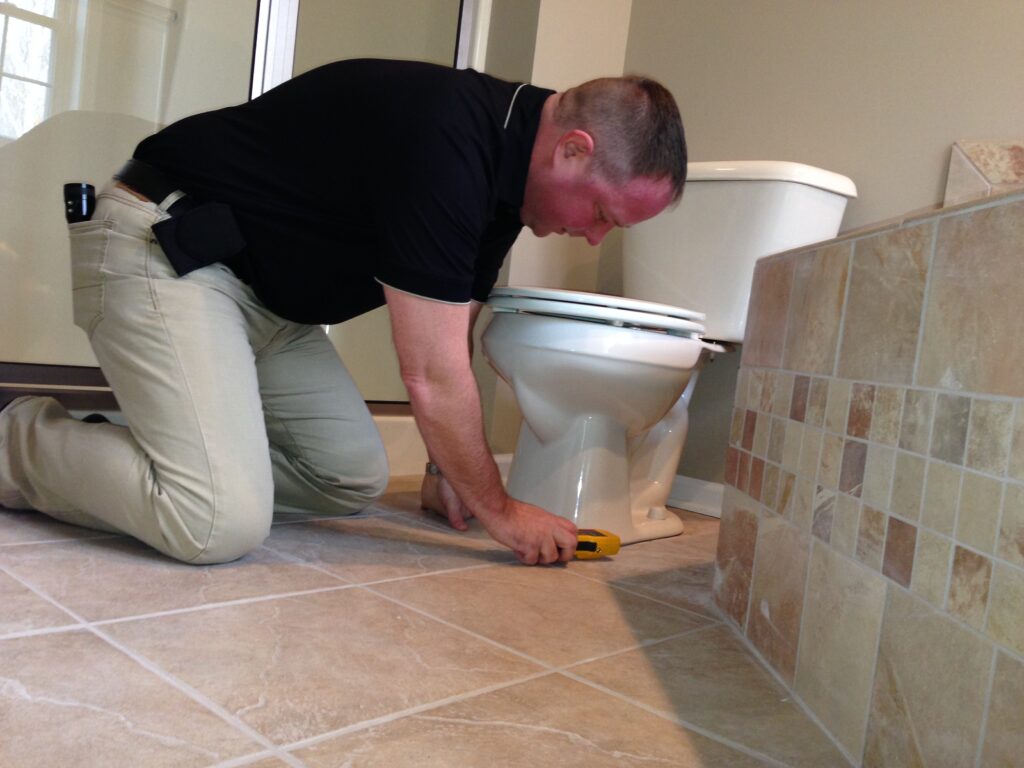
[463, 630]
[699, 729]
[67, 540]
[43, 632]
[39, 593]
[255, 757]
[791, 690]
[400, 714]
[428, 574]
[85, 623]
[521, 654]
[547, 670]
[343, 584]
[223, 604]
[99, 536]
[173, 611]
[197, 696]
[566, 670]
[979, 752]
[298, 561]
[635, 593]
[179, 685]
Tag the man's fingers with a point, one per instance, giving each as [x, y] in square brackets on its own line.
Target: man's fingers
[527, 557]
[457, 521]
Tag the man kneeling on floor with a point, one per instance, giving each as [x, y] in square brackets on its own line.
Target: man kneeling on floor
[219, 250]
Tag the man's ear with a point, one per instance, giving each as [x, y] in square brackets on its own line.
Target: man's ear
[575, 144]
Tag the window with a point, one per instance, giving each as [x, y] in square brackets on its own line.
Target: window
[27, 50]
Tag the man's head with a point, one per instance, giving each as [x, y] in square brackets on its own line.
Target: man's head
[610, 152]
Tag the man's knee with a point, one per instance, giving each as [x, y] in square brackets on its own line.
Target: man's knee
[357, 479]
[359, 483]
[231, 544]
[232, 525]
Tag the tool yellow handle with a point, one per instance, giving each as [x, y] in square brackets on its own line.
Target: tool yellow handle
[592, 543]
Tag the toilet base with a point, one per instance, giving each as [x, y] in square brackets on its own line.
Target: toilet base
[665, 524]
[584, 476]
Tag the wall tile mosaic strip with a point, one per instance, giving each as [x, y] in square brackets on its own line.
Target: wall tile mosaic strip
[877, 498]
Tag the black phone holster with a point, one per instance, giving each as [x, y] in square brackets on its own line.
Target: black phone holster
[198, 235]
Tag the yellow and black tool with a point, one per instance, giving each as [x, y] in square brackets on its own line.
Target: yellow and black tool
[592, 543]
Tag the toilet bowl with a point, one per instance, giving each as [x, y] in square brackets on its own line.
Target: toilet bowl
[604, 383]
[592, 374]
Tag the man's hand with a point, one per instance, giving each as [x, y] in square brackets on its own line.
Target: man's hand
[436, 495]
[535, 535]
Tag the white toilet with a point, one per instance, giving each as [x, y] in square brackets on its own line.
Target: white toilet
[604, 382]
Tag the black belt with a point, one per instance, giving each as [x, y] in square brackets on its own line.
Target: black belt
[196, 234]
[146, 180]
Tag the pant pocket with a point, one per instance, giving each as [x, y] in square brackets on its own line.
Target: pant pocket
[90, 241]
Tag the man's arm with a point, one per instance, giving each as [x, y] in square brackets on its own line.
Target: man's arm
[436, 494]
[431, 339]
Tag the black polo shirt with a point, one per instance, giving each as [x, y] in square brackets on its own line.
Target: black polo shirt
[359, 173]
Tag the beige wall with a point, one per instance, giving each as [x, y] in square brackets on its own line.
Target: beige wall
[511, 38]
[391, 29]
[875, 89]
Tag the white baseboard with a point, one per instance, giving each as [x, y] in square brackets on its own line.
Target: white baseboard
[701, 496]
[407, 455]
[406, 452]
[504, 461]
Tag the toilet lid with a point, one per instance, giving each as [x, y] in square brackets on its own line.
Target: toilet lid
[597, 307]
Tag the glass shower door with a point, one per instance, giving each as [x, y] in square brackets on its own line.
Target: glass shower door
[81, 83]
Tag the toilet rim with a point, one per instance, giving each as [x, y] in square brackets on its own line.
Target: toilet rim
[621, 318]
[616, 311]
[597, 300]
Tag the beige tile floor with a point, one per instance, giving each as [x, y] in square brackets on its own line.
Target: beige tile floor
[384, 639]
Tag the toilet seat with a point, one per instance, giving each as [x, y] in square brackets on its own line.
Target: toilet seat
[595, 307]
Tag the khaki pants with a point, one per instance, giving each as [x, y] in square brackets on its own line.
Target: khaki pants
[231, 409]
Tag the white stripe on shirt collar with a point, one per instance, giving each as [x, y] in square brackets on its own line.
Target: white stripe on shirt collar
[512, 103]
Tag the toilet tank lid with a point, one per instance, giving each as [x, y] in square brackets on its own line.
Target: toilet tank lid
[771, 170]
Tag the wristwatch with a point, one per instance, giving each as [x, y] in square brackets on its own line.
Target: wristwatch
[433, 469]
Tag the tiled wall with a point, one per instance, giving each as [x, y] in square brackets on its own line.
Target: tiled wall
[872, 539]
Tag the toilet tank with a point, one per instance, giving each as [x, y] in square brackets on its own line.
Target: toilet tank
[701, 254]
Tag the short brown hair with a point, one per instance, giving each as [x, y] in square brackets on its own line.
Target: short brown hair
[636, 128]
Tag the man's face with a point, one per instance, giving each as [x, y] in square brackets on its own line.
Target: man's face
[569, 198]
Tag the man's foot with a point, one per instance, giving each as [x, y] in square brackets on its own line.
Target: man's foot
[10, 497]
